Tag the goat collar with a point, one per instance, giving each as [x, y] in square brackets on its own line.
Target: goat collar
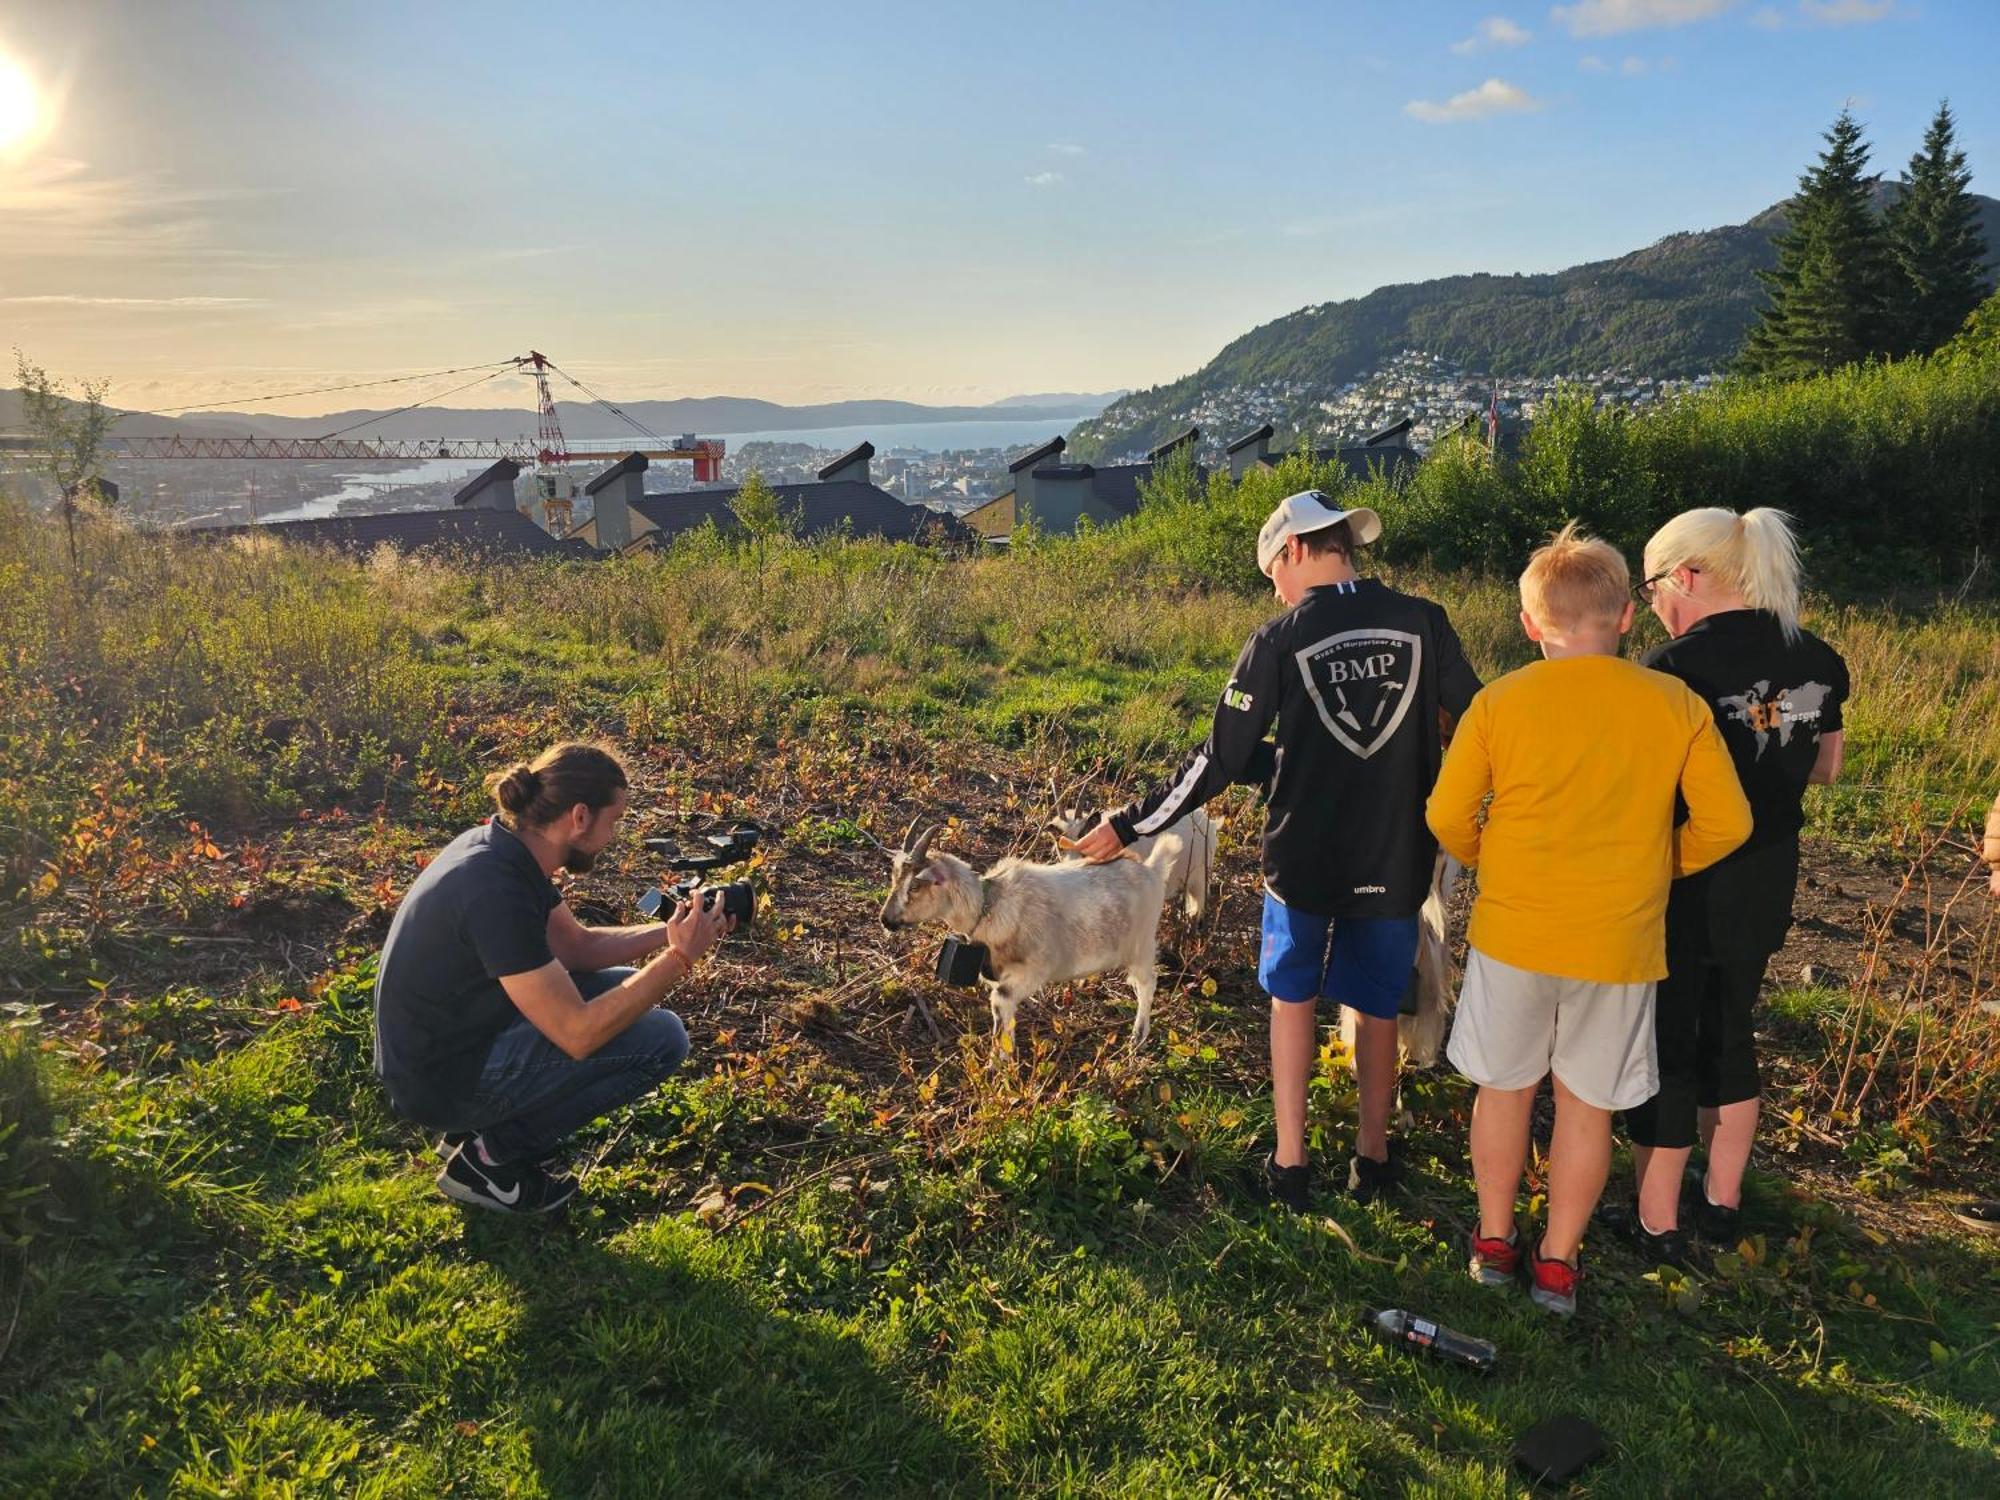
[985, 904]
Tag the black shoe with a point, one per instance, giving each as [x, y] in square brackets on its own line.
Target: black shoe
[451, 1140]
[522, 1188]
[1289, 1187]
[1368, 1178]
[1716, 1224]
[1669, 1247]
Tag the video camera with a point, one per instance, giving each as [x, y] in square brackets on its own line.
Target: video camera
[737, 898]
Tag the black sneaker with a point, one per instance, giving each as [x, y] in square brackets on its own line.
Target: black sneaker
[1368, 1178]
[1289, 1187]
[451, 1140]
[1716, 1224]
[523, 1188]
[1669, 1247]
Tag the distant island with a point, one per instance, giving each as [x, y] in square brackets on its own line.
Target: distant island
[708, 416]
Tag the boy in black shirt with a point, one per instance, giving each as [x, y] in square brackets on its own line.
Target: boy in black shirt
[1357, 678]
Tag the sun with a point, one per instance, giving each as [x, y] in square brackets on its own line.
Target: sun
[18, 108]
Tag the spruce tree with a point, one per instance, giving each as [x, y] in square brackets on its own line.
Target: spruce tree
[1939, 251]
[1830, 289]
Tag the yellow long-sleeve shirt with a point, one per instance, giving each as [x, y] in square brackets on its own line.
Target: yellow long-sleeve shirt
[1583, 756]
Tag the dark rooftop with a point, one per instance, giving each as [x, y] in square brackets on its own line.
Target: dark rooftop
[1178, 440]
[490, 532]
[1263, 433]
[1034, 456]
[1115, 486]
[813, 509]
[857, 454]
[631, 463]
[1394, 429]
[502, 471]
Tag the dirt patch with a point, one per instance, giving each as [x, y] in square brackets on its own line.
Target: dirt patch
[819, 983]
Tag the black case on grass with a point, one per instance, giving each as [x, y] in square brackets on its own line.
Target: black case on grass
[1556, 1451]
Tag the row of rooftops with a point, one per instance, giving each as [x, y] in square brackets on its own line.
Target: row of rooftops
[1055, 494]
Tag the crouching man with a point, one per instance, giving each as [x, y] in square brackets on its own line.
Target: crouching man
[504, 1022]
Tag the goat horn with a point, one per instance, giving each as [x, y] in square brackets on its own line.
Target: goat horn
[904, 846]
[922, 846]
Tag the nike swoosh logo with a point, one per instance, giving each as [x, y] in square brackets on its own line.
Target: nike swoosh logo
[510, 1197]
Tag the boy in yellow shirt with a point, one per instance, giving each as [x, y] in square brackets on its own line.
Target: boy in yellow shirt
[1583, 753]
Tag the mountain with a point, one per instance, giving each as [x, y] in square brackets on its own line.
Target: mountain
[1062, 400]
[708, 416]
[1680, 307]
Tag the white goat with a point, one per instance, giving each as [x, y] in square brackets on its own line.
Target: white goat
[1421, 1036]
[1190, 864]
[1040, 924]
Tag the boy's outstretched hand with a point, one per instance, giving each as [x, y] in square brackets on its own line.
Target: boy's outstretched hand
[1101, 845]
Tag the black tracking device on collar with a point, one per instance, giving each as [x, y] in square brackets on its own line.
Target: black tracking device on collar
[962, 963]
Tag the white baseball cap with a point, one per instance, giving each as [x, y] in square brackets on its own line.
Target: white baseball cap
[1309, 510]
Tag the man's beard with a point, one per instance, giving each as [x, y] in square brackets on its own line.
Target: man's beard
[578, 861]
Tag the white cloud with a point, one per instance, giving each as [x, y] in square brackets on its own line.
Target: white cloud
[1846, 12]
[52, 206]
[1065, 148]
[1043, 179]
[1770, 18]
[1493, 97]
[1494, 31]
[74, 299]
[1590, 62]
[1632, 67]
[1610, 17]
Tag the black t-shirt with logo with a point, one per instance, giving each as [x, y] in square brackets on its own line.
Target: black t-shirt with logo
[1354, 678]
[478, 912]
[1773, 699]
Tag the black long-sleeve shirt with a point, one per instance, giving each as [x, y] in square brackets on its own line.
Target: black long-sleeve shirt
[1354, 678]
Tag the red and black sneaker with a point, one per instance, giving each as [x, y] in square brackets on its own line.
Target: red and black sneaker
[1552, 1284]
[1496, 1262]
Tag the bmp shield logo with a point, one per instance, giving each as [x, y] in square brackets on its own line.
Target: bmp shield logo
[1363, 682]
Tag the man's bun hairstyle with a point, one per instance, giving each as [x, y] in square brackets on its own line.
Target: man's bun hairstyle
[533, 795]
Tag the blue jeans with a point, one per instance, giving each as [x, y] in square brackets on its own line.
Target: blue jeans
[532, 1093]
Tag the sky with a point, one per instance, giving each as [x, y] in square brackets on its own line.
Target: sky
[933, 201]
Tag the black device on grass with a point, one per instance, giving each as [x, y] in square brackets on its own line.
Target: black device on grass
[961, 962]
[737, 898]
[1556, 1451]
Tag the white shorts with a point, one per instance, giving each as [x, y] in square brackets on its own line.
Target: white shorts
[1513, 1026]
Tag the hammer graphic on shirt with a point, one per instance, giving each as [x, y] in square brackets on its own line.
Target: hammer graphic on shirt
[1347, 715]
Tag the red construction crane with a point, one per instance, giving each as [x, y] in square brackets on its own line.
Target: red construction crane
[548, 450]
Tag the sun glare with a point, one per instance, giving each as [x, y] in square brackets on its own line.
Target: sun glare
[17, 104]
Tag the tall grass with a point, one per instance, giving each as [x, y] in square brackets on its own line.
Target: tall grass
[228, 683]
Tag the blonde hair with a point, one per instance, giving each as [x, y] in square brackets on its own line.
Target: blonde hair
[1754, 555]
[1574, 580]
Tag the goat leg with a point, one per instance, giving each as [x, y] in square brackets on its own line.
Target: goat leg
[1145, 978]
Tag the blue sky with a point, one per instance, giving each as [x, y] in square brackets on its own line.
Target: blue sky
[939, 202]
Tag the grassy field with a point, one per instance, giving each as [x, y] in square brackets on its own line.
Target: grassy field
[844, 1255]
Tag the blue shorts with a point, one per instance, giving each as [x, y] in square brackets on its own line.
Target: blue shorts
[1366, 963]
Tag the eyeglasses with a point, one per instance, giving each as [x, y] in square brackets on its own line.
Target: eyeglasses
[1647, 587]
